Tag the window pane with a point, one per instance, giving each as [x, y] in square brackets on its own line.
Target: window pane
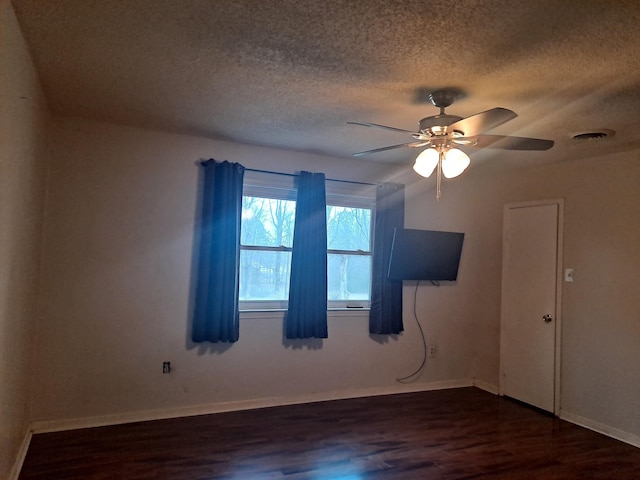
[264, 275]
[348, 228]
[267, 221]
[349, 277]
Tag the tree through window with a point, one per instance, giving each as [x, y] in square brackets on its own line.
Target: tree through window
[267, 238]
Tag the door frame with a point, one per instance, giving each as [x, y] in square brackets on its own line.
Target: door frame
[558, 304]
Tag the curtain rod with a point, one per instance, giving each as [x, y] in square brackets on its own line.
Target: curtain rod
[296, 175]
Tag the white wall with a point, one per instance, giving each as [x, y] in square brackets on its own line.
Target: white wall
[117, 266]
[116, 288]
[601, 309]
[22, 172]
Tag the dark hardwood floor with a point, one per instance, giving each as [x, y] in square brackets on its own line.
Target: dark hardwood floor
[449, 434]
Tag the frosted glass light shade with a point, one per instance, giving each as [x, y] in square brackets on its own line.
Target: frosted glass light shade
[454, 163]
[426, 162]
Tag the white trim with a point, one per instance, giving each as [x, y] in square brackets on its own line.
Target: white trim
[279, 314]
[115, 419]
[486, 386]
[598, 427]
[559, 202]
[607, 430]
[283, 186]
[557, 407]
[22, 454]
[262, 184]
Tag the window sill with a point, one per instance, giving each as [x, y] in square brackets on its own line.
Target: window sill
[279, 313]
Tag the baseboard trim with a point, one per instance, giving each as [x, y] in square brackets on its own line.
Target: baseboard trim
[486, 386]
[22, 454]
[607, 430]
[142, 416]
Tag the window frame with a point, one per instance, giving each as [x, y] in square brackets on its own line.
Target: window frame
[340, 194]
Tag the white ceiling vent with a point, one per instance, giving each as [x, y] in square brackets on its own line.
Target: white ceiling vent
[593, 135]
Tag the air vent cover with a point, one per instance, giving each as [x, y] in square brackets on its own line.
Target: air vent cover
[594, 135]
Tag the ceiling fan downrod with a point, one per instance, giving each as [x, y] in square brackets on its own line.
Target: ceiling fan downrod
[442, 99]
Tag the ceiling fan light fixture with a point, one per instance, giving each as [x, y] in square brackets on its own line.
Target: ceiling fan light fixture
[454, 163]
[442, 132]
[426, 162]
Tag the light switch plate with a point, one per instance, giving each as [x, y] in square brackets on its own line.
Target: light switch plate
[568, 274]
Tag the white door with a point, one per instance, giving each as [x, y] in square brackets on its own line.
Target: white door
[530, 294]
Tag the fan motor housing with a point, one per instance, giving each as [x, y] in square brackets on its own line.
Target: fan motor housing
[437, 124]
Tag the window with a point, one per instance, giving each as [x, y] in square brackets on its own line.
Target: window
[349, 255]
[268, 215]
[265, 253]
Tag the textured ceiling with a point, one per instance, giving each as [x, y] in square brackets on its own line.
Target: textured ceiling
[291, 73]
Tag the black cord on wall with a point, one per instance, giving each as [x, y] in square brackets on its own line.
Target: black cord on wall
[414, 376]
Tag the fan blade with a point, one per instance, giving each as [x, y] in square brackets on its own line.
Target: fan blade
[391, 147]
[394, 129]
[483, 121]
[506, 142]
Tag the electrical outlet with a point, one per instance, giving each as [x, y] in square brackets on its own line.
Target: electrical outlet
[166, 367]
[432, 351]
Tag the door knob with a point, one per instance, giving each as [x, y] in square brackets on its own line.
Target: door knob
[547, 318]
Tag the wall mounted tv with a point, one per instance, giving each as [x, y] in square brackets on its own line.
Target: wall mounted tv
[425, 255]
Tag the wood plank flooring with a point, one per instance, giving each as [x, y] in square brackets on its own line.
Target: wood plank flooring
[448, 434]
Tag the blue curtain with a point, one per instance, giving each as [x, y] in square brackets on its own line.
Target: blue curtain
[385, 316]
[307, 313]
[216, 314]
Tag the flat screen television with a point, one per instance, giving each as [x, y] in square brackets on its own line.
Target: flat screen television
[425, 255]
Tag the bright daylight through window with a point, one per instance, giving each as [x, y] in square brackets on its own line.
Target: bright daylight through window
[267, 239]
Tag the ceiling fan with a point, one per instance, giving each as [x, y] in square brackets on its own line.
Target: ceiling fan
[444, 134]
